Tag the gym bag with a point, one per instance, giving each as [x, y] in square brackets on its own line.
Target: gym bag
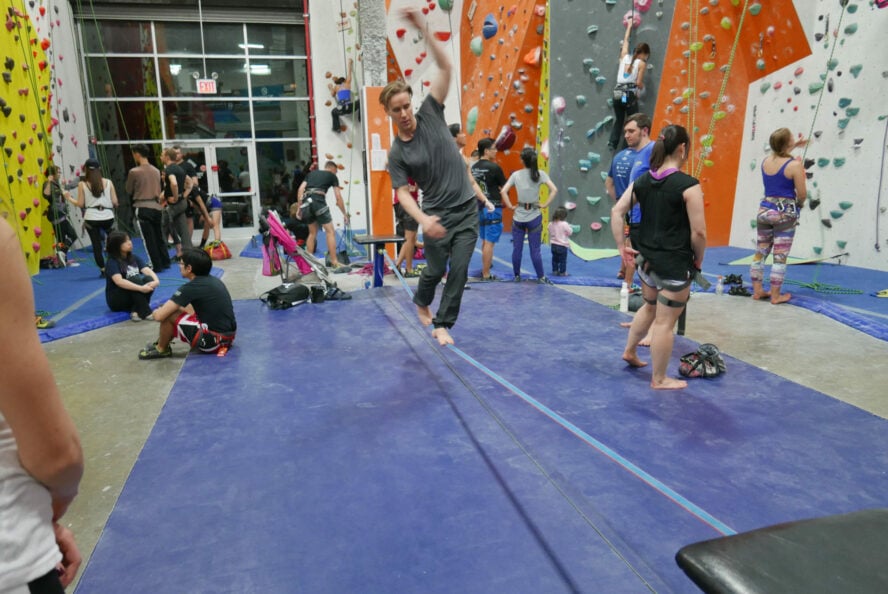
[706, 361]
[286, 296]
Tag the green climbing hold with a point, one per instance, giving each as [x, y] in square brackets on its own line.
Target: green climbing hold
[568, 123]
[843, 123]
[855, 70]
[822, 162]
[595, 71]
[753, 223]
[760, 64]
[851, 29]
[817, 250]
[764, 88]
[472, 120]
[600, 80]
[603, 175]
[587, 62]
[836, 214]
[841, 243]
[852, 111]
[446, 5]
[707, 140]
[572, 191]
[591, 29]
[585, 165]
[844, 102]
[476, 45]
[719, 115]
[839, 161]
[815, 87]
[606, 220]
[708, 66]
[852, 8]
[832, 63]
[575, 228]
[593, 200]
[581, 100]
[607, 120]
[595, 158]
[755, 9]
[708, 162]
[726, 24]
[752, 165]
[696, 46]
[845, 205]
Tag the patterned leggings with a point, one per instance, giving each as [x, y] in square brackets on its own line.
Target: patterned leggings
[775, 230]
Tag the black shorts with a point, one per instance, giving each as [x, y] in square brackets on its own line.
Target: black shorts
[315, 210]
[405, 221]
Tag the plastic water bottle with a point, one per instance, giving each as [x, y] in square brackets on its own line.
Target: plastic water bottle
[624, 298]
[720, 286]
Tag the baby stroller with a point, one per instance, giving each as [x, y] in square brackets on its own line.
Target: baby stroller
[276, 239]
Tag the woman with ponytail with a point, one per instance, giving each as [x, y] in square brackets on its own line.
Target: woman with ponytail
[671, 243]
[527, 218]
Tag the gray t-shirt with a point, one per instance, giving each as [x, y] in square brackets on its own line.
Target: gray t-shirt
[432, 159]
[528, 193]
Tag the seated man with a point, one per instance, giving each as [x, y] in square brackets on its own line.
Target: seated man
[200, 313]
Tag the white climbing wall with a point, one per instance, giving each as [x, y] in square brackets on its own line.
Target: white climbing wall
[847, 75]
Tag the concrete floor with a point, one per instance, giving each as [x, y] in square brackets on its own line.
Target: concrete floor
[115, 399]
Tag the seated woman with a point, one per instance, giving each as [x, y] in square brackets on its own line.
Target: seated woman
[129, 282]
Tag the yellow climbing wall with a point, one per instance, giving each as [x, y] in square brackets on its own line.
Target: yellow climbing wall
[25, 99]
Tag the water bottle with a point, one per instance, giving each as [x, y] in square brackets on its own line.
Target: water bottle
[624, 298]
[720, 286]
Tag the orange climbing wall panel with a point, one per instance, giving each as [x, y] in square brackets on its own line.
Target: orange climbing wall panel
[499, 83]
[768, 41]
[378, 132]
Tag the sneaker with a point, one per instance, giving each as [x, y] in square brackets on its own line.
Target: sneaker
[135, 317]
[149, 317]
[44, 324]
[410, 274]
[544, 280]
[517, 278]
[152, 353]
[492, 277]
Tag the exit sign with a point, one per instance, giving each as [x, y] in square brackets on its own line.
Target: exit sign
[206, 86]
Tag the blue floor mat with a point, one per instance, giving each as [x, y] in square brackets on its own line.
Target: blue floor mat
[74, 297]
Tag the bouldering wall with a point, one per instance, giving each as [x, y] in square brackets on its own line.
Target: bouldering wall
[836, 98]
[585, 41]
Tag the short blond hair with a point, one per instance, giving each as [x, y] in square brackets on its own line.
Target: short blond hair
[393, 88]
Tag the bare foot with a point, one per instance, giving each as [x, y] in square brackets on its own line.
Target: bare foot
[761, 296]
[424, 314]
[668, 383]
[646, 341]
[443, 336]
[632, 359]
[781, 299]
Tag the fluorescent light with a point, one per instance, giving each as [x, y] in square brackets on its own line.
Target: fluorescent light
[250, 45]
[175, 69]
[260, 69]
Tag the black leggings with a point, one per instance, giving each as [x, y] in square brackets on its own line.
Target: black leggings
[98, 231]
[48, 584]
[130, 301]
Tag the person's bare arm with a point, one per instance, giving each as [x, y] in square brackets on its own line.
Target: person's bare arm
[624, 49]
[553, 191]
[430, 224]
[610, 188]
[642, 68]
[504, 194]
[174, 189]
[693, 198]
[797, 170]
[618, 215]
[440, 84]
[166, 310]
[113, 193]
[341, 203]
[48, 445]
[81, 195]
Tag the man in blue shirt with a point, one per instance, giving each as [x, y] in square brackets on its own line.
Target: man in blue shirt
[627, 166]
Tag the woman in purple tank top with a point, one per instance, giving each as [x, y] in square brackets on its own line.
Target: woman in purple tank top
[778, 214]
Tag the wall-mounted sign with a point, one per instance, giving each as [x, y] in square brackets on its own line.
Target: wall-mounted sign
[206, 86]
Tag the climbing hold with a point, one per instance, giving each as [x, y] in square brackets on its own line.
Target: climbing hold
[754, 9]
[595, 158]
[799, 71]
[472, 120]
[587, 62]
[600, 80]
[631, 17]
[575, 228]
[591, 29]
[605, 220]
[603, 175]
[753, 223]
[815, 87]
[760, 64]
[476, 45]
[708, 66]
[844, 102]
[836, 214]
[852, 111]
[446, 5]
[855, 70]
[559, 105]
[843, 123]
[817, 250]
[643, 5]
[581, 100]
[719, 115]
[822, 162]
[595, 71]
[593, 200]
[814, 203]
[826, 223]
[765, 86]
[585, 165]
[851, 29]
[841, 243]
[570, 205]
[572, 191]
[808, 163]
[726, 24]
[752, 165]
[596, 226]
[845, 205]
[490, 26]
[838, 161]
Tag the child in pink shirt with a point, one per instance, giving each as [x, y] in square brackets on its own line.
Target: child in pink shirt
[559, 236]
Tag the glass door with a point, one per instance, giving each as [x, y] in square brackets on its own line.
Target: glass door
[228, 171]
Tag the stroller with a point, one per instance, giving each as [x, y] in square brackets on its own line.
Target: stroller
[276, 239]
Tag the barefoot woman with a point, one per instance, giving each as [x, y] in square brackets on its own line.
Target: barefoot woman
[424, 150]
[778, 215]
[671, 241]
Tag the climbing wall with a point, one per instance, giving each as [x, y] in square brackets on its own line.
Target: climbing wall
[501, 67]
[25, 100]
[835, 97]
[585, 42]
[335, 30]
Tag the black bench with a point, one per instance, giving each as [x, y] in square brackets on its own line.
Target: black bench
[378, 242]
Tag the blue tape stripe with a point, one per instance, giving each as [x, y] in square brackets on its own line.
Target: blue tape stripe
[650, 480]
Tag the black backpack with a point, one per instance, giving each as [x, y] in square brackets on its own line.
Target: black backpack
[706, 361]
[286, 296]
